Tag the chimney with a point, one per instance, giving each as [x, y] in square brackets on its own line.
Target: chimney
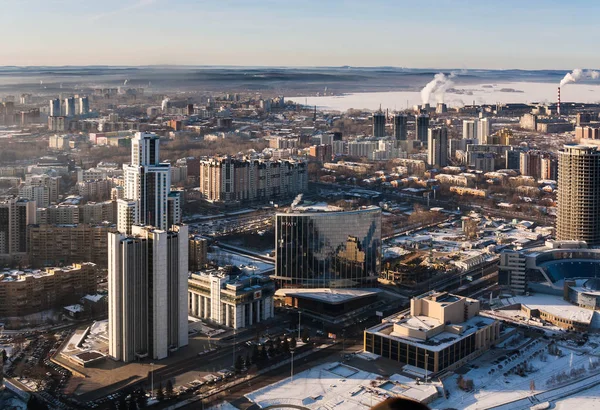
[558, 103]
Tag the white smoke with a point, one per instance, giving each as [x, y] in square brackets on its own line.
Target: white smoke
[438, 87]
[296, 201]
[579, 74]
[572, 77]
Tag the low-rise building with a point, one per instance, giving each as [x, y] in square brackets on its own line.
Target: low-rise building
[441, 332]
[236, 301]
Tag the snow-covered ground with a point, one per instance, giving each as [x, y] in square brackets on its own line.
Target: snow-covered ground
[338, 386]
[589, 399]
[497, 387]
[514, 92]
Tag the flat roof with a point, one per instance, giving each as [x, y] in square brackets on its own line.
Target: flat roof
[331, 296]
[557, 306]
[435, 343]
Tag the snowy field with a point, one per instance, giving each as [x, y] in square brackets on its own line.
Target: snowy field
[463, 94]
[501, 381]
[337, 386]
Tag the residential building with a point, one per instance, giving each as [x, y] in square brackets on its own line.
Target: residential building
[531, 164]
[437, 147]
[15, 215]
[400, 127]
[147, 185]
[32, 291]
[422, 128]
[226, 179]
[484, 130]
[57, 245]
[148, 292]
[470, 129]
[578, 213]
[198, 251]
[378, 124]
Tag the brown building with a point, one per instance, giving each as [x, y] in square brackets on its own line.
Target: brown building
[321, 153]
[226, 179]
[24, 293]
[51, 245]
[197, 251]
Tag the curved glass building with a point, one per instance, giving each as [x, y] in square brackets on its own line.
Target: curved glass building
[328, 249]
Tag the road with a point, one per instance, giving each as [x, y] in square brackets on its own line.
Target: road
[236, 394]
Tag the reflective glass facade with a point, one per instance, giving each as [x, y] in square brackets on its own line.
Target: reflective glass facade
[328, 249]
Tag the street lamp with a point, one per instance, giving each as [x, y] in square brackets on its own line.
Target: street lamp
[426, 362]
[292, 369]
[299, 318]
[151, 380]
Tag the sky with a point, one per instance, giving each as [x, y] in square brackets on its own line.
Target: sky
[526, 34]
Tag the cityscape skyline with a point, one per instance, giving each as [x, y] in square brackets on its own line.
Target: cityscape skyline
[265, 33]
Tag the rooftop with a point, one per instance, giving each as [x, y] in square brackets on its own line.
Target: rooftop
[332, 296]
[435, 343]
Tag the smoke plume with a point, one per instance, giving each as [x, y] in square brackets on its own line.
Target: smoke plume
[438, 87]
[579, 74]
[572, 77]
[296, 201]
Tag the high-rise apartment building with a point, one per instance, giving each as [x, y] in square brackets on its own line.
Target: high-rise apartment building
[422, 127]
[437, 147]
[549, 168]
[147, 186]
[470, 129]
[484, 130]
[226, 179]
[379, 124]
[15, 215]
[148, 292]
[84, 105]
[55, 107]
[531, 164]
[70, 106]
[578, 214]
[400, 127]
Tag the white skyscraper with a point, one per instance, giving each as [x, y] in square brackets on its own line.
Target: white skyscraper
[147, 299]
[484, 130]
[147, 187]
[470, 129]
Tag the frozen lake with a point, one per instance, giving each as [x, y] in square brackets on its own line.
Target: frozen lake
[459, 95]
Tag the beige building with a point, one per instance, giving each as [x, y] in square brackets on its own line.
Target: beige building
[226, 179]
[23, 293]
[442, 331]
[578, 214]
[232, 301]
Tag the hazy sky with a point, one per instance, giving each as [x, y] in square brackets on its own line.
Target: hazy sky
[528, 34]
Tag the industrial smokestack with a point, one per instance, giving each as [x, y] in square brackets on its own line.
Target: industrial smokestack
[558, 103]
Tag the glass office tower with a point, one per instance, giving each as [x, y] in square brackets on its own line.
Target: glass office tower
[328, 249]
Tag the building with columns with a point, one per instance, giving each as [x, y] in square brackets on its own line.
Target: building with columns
[235, 301]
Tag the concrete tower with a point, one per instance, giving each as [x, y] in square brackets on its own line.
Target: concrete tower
[578, 214]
